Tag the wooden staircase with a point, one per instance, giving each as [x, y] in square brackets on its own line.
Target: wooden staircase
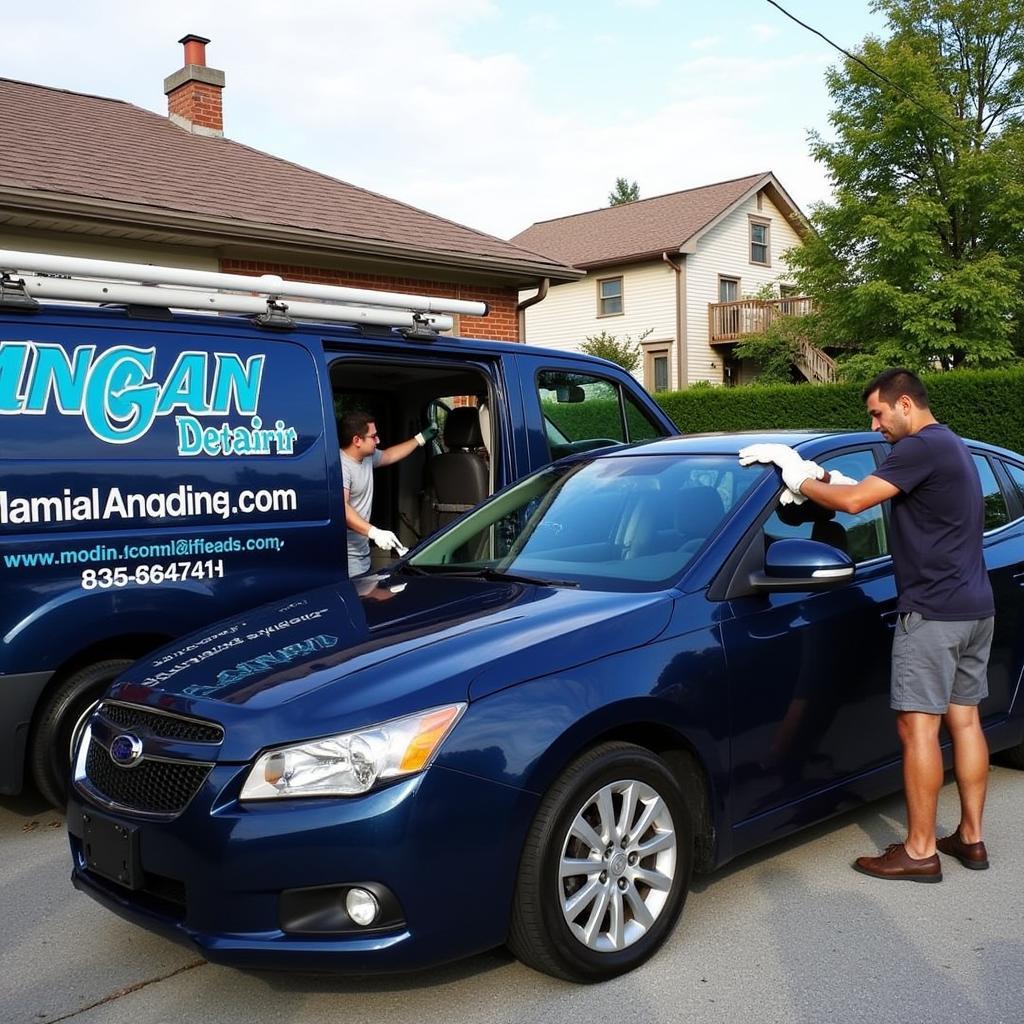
[816, 365]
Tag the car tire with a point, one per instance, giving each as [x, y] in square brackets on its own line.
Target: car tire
[607, 918]
[60, 723]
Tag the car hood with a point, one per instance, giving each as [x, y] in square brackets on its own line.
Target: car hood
[333, 659]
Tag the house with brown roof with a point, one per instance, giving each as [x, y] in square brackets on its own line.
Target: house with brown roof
[85, 176]
[688, 271]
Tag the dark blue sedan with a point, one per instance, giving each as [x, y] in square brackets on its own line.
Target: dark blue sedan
[630, 665]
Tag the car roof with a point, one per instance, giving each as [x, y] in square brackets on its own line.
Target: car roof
[729, 443]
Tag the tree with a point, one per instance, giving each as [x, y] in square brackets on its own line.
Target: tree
[918, 261]
[624, 192]
[625, 353]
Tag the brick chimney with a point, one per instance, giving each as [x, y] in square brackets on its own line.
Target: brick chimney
[194, 92]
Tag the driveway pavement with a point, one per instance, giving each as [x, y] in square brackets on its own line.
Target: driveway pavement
[788, 934]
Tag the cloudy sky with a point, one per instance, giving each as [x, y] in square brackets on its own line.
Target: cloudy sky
[494, 113]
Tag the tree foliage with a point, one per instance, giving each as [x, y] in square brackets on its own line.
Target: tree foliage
[918, 261]
[626, 353]
[624, 192]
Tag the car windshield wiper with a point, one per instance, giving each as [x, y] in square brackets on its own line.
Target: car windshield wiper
[490, 573]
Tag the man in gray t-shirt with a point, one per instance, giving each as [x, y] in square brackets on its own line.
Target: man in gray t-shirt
[359, 458]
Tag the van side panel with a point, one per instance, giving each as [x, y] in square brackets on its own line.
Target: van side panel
[153, 478]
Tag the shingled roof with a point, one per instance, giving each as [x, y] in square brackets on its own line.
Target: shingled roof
[64, 147]
[648, 227]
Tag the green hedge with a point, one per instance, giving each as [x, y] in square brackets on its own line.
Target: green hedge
[987, 405]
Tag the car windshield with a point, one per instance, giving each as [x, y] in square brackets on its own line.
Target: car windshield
[633, 522]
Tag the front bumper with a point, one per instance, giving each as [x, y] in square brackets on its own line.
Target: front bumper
[445, 844]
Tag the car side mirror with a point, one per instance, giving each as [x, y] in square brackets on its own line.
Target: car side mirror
[794, 564]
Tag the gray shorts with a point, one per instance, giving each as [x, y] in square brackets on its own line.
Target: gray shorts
[935, 663]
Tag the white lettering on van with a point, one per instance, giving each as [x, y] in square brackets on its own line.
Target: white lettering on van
[119, 397]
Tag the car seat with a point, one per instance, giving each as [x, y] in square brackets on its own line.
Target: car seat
[457, 479]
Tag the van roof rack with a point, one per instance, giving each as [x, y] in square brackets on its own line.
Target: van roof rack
[29, 274]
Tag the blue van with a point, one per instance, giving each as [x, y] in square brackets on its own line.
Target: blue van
[161, 470]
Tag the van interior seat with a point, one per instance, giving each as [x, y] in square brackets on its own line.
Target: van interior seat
[457, 479]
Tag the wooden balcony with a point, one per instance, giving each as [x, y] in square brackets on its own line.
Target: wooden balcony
[730, 321]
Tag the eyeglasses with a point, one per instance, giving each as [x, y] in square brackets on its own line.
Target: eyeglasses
[375, 436]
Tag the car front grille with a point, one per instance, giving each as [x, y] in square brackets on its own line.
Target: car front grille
[171, 727]
[151, 786]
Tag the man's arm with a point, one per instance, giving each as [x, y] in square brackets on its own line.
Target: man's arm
[870, 491]
[397, 452]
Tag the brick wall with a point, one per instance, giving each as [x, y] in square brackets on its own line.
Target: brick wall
[501, 323]
[199, 103]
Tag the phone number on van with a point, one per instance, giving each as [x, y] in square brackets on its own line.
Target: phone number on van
[119, 576]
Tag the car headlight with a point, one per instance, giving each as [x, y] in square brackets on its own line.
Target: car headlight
[352, 762]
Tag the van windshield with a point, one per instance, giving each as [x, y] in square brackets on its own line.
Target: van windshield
[630, 522]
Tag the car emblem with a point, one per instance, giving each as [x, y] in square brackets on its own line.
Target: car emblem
[126, 750]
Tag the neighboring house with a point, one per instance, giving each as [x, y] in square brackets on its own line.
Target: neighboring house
[86, 176]
[684, 266]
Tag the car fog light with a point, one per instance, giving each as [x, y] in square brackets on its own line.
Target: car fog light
[362, 906]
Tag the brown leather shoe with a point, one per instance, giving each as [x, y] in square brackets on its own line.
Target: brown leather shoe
[897, 864]
[971, 855]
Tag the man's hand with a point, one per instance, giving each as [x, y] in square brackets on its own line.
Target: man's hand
[832, 476]
[428, 433]
[794, 469]
[385, 540]
[781, 454]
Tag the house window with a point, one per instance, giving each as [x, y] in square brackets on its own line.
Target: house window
[727, 318]
[728, 289]
[661, 373]
[759, 242]
[609, 296]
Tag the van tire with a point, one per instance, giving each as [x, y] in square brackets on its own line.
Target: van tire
[59, 723]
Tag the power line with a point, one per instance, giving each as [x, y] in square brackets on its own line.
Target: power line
[867, 67]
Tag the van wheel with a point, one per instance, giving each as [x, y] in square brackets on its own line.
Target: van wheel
[61, 723]
[605, 868]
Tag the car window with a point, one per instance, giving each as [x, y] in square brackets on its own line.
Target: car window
[862, 535]
[584, 412]
[1016, 475]
[619, 523]
[996, 512]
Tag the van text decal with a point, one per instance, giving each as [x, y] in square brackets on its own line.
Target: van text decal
[119, 399]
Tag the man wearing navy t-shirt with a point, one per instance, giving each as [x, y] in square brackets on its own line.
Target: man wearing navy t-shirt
[944, 630]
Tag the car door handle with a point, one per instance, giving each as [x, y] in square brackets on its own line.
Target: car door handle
[1018, 578]
[889, 619]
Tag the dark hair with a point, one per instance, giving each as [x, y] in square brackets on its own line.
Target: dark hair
[352, 425]
[890, 384]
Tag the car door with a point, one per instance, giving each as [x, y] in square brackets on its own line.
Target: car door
[809, 671]
[1004, 558]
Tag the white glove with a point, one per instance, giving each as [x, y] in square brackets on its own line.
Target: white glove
[385, 540]
[835, 477]
[794, 469]
[789, 497]
[781, 454]
[795, 473]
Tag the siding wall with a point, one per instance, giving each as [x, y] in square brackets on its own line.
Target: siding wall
[569, 313]
[725, 251]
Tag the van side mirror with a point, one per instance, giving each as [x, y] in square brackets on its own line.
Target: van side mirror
[795, 564]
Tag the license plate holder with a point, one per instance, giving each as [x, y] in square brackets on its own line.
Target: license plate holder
[111, 850]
